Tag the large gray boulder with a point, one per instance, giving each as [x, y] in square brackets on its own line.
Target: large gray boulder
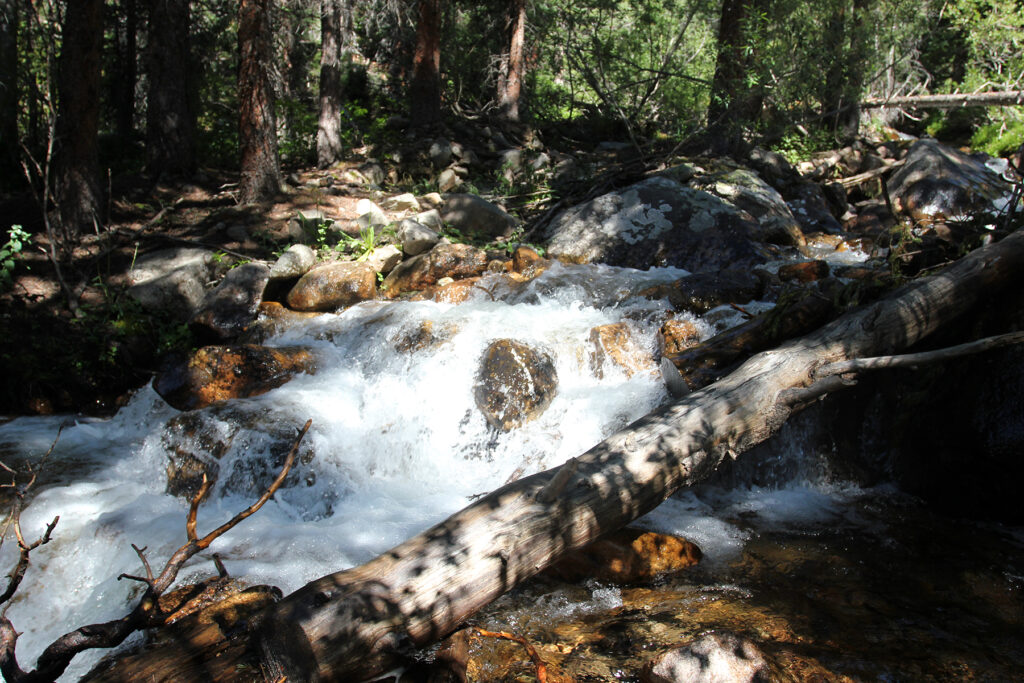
[743, 188]
[231, 307]
[296, 261]
[476, 217]
[172, 280]
[938, 182]
[657, 222]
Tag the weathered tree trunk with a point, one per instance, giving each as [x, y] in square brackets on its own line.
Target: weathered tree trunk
[122, 86]
[170, 119]
[425, 86]
[257, 130]
[844, 75]
[76, 158]
[347, 625]
[510, 81]
[9, 89]
[954, 101]
[733, 104]
[328, 135]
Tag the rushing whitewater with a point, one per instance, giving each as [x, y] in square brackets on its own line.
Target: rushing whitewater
[397, 444]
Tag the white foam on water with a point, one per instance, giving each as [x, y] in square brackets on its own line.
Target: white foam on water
[397, 444]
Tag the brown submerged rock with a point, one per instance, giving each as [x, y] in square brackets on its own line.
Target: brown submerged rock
[515, 384]
[615, 342]
[676, 336]
[701, 292]
[218, 373]
[627, 556]
[807, 271]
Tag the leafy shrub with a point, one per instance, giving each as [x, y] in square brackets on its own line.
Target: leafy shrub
[999, 139]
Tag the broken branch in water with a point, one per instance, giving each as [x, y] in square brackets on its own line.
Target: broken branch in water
[58, 655]
[538, 663]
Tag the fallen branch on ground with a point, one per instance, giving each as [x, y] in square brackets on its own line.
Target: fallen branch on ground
[58, 655]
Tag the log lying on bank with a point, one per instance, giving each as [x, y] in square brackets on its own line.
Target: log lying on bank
[999, 98]
[351, 625]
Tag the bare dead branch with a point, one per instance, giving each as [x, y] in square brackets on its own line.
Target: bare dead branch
[193, 510]
[538, 663]
[222, 571]
[141, 552]
[910, 359]
[58, 655]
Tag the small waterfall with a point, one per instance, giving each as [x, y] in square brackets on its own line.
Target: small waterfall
[397, 444]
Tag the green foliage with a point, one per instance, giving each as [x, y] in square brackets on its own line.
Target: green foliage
[361, 247]
[999, 139]
[797, 146]
[297, 143]
[16, 240]
[902, 241]
[954, 125]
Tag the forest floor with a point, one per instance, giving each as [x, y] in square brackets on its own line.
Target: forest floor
[89, 356]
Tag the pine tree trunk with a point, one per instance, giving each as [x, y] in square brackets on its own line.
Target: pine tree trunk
[76, 158]
[328, 135]
[733, 104]
[257, 129]
[170, 120]
[122, 93]
[9, 90]
[425, 88]
[844, 75]
[510, 84]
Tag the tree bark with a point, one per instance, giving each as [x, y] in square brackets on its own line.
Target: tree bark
[328, 137]
[733, 104]
[510, 81]
[425, 86]
[9, 89]
[76, 158]
[170, 119]
[122, 90]
[350, 624]
[844, 75]
[257, 129]
[953, 101]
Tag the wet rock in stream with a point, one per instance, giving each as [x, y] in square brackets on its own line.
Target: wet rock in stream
[713, 658]
[515, 384]
[218, 373]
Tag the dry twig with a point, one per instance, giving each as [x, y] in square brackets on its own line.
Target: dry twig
[58, 655]
[538, 663]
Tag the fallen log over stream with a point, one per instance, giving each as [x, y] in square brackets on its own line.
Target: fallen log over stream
[350, 625]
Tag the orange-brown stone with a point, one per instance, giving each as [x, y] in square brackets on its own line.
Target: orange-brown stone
[808, 271]
[456, 261]
[627, 556]
[218, 373]
[333, 286]
[615, 342]
[678, 335]
[527, 261]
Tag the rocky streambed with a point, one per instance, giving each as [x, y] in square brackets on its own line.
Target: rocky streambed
[460, 368]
